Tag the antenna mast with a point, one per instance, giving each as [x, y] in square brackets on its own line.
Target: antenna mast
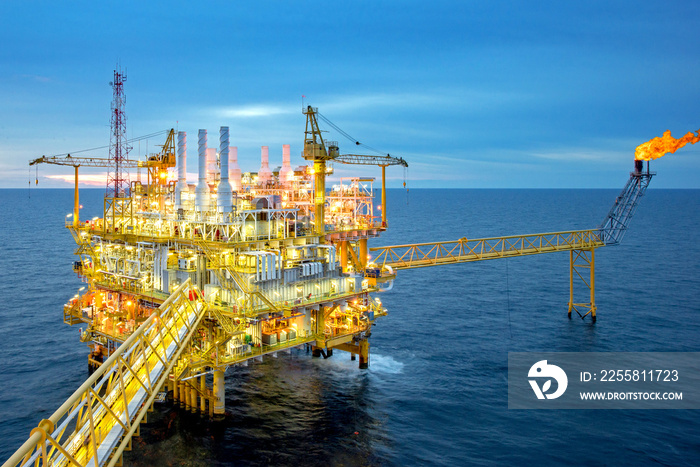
[117, 176]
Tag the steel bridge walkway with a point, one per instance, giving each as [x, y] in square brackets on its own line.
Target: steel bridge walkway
[422, 255]
[96, 424]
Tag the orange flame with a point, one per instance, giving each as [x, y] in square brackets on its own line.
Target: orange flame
[666, 144]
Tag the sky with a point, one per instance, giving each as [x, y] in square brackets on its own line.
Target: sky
[473, 94]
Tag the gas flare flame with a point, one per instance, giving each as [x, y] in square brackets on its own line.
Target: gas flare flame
[662, 145]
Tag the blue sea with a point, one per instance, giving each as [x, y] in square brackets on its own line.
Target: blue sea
[436, 389]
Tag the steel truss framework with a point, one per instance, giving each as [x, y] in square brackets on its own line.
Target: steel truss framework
[96, 424]
[580, 243]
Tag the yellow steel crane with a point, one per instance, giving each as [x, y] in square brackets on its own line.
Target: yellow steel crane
[77, 162]
[96, 424]
[315, 150]
[156, 164]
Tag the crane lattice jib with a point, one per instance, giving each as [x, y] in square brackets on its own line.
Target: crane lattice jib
[422, 255]
[616, 222]
[83, 162]
[95, 425]
[359, 159]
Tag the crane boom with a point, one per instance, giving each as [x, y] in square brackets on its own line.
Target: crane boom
[316, 150]
[82, 161]
[360, 159]
[157, 169]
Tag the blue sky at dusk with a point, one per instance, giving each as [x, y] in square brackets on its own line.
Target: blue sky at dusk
[473, 94]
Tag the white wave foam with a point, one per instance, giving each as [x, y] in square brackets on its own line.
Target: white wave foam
[383, 364]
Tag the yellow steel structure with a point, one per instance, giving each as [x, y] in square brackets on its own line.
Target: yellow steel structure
[580, 243]
[177, 294]
[118, 212]
[315, 150]
[96, 424]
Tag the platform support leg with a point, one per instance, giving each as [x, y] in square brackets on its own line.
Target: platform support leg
[176, 394]
[203, 391]
[219, 394]
[343, 255]
[363, 252]
[364, 354]
[193, 396]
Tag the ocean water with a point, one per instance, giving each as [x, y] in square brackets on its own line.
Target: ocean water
[436, 389]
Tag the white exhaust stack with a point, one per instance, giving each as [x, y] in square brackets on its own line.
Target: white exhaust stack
[201, 202]
[234, 171]
[212, 167]
[223, 192]
[181, 186]
[286, 172]
[264, 175]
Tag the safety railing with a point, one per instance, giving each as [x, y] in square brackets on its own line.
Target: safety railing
[95, 425]
[463, 250]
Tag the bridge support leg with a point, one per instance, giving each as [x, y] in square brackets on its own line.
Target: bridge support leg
[582, 266]
[364, 354]
[219, 394]
[175, 391]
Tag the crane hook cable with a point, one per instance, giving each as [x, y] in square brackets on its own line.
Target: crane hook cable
[345, 134]
[138, 138]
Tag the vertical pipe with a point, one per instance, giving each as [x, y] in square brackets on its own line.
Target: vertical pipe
[224, 190]
[219, 394]
[76, 201]
[175, 390]
[383, 196]
[181, 186]
[234, 169]
[264, 175]
[286, 173]
[202, 191]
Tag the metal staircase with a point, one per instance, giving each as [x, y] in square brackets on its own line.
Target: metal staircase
[95, 425]
[231, 279]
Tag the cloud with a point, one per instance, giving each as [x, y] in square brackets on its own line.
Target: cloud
[569, 154]
[37, 78]
[252, 111]
[98, 180]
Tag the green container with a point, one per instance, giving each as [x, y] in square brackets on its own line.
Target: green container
[248, 338]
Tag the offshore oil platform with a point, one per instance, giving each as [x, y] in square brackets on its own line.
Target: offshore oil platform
[185, 280]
